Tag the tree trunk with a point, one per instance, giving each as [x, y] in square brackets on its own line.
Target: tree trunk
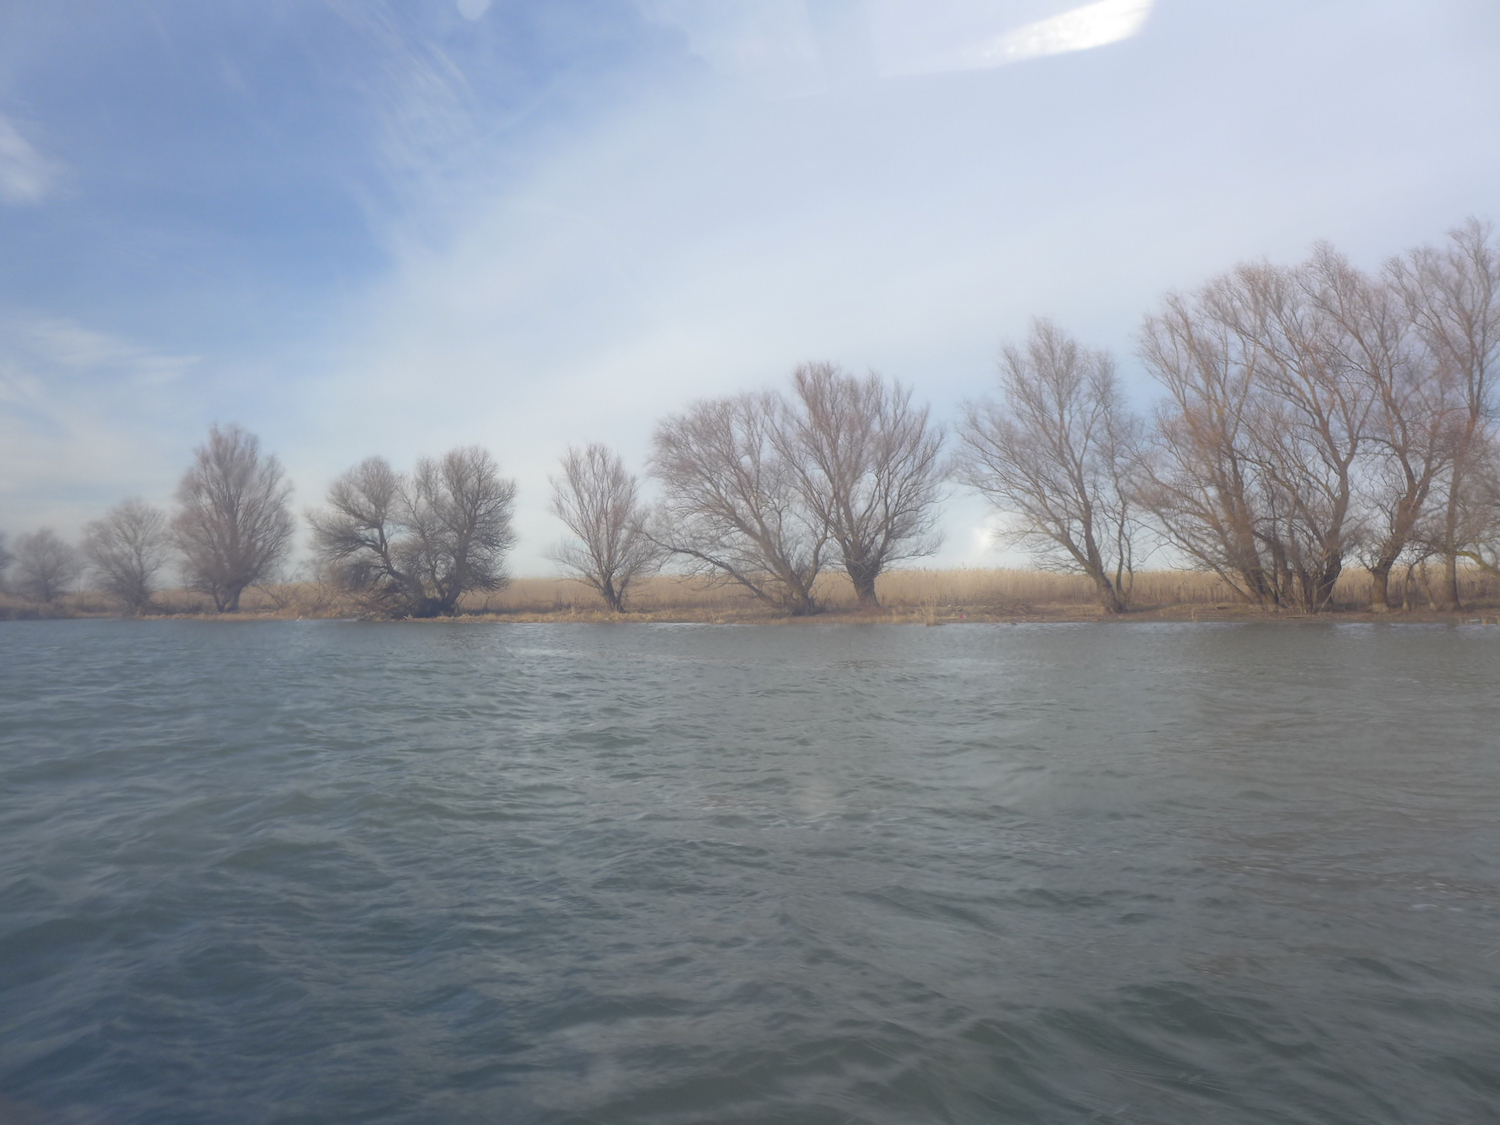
[612, 597]
[1380, 586]
[1109, 597]
[799, 602]
[863, 578]
[1450, 581]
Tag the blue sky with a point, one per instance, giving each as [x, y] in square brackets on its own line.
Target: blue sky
[358, 227]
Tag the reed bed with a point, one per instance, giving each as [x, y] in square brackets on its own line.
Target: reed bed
[914, 595]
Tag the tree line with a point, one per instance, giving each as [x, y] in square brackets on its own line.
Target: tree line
[1311, 417]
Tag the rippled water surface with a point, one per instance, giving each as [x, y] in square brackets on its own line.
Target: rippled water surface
[336, 872]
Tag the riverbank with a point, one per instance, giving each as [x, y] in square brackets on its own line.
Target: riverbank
[918, 597]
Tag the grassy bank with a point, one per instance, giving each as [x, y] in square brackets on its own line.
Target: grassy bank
[907, 596]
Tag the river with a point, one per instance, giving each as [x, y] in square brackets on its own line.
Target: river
[327, 872]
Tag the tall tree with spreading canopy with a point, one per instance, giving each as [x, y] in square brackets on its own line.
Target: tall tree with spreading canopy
[1259, 443]
[1054, 459]
[233, 523]
[868, 465]
[599, 501]
[413, 544]
[1407, 446]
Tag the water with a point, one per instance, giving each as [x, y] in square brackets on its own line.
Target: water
[334, 872]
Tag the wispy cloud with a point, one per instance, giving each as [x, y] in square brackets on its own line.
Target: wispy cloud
[86, 418]
[26, 176]
[790, 47]
[1079, 29]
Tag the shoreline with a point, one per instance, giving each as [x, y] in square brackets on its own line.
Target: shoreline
[895, 615]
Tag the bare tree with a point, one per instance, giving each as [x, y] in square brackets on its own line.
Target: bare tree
[867, 463]
[414, 545]
[1407, 446]
[1055, 459]
[732, 507]
[600, 503]
[127, 548]
[358, 538]
[6, 558]
[459, 512]
[1454, 297]
[1315, 415]
[1477, 528]
[1256, 448]
[232, 525]
[46, 566]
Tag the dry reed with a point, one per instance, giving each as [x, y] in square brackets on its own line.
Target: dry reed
[917, 595]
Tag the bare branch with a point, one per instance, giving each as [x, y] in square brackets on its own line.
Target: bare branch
[1055, 459]
[47, 567]
[731, 508]
[127, 548]
[867, 464]
[599, 501]
[233, 525]
[414, 545]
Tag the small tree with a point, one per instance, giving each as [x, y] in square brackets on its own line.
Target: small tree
[867, 463]
[1055, 458]
[414, 545]
[233, 525]
[599, 501]
[127, 549]
[46, 566]
[732, 507]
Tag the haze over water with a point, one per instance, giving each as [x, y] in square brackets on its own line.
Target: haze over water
[336, 872]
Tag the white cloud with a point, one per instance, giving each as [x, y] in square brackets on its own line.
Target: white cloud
[776, 45]
[954, 35]
[1093, 25]
[26, 176]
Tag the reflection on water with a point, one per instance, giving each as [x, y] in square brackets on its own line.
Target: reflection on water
[326, 872]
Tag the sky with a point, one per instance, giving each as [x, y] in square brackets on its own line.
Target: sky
[359, 227]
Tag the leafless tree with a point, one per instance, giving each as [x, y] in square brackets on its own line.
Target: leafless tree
[1200, 481]
[732, 507]
[1408, 428]
[867, 464]
[233, 525]
[1258, 444]
[599, 501]
[1055, 459]
[1454, 296]
[47, 567]
[127, 549]
[414, 545]
[459, 511]
[6, 558]
[1477, 528]
[357, 538]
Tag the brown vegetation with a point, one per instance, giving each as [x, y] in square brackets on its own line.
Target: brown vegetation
[907, 596]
